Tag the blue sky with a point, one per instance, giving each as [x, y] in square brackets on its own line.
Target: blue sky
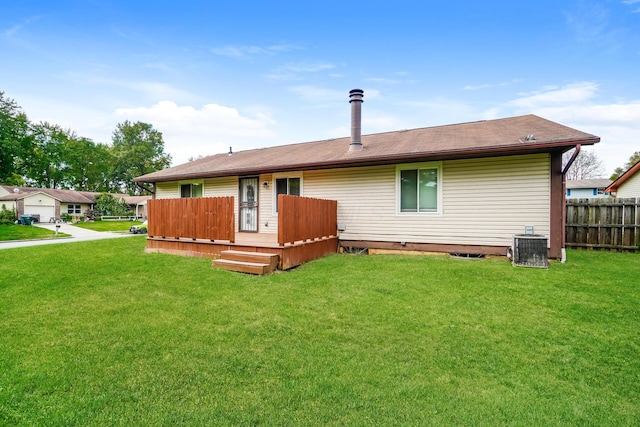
[212, 74]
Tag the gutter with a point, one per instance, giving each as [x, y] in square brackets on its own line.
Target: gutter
[382, 160]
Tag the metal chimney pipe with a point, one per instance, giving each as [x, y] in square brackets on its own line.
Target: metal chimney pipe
[355, 99]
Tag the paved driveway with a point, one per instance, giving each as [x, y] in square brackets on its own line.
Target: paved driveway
[77, 235]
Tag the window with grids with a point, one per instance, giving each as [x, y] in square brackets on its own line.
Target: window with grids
[74, 209]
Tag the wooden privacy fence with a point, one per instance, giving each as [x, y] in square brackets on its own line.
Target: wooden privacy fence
[208, 218]
[603, 224]
[304, 218]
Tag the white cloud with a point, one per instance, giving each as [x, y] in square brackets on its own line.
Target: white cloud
[576, 105]
[9, 32]
[569, 94]
[308, 67]
[322, 97]
[491, 85]
[236, 51]
[317, 95]
[292, 71]
[382, 80]
[152, 90]
[189, 132]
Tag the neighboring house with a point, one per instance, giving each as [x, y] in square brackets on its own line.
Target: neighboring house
[137, 204]
[46, 203]
[628, 184]
[588, 188]
[465, 188]
[49, 204]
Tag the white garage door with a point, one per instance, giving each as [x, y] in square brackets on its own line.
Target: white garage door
[45, 212]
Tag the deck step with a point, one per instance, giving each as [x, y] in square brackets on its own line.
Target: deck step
[247, 262]
[260, 257]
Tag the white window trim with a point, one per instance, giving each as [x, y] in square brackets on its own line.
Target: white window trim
[425, 165]
[73, 207]
[274, 196]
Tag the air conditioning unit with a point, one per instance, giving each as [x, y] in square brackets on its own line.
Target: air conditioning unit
[530, 250]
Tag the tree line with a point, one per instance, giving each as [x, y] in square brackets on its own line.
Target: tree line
[45, 155]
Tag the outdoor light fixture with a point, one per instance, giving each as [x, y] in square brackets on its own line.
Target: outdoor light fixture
[265, 184]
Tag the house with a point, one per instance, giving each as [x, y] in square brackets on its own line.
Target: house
[466, 188]
[628, 184]
[136, 204]
[48, 203]
[587, 188]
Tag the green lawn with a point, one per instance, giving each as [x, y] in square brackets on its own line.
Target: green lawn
[108, 225]
[26, 232]
[100, 333]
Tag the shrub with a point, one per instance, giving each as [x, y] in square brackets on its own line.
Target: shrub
[7, 216]
[106, 204]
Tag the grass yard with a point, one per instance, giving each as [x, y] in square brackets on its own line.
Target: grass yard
[26, 232]
[108, 225]
[100, 333]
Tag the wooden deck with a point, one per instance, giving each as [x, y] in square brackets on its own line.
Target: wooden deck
[290, 254]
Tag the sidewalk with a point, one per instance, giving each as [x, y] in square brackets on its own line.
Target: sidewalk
[77, 235]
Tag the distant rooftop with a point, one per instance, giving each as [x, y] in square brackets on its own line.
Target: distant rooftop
[588, 183]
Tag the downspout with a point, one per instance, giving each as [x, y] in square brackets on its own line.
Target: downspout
[563, 258]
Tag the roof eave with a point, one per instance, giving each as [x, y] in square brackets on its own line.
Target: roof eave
[494, 151]
[622, 178]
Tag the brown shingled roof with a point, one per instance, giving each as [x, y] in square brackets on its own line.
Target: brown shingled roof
[64, 196]
[476, 139]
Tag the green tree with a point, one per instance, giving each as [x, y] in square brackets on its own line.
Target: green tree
[635, 158]
[89, 165]
[107, 204]
[137, 149]
[45, 163]
[15, 138]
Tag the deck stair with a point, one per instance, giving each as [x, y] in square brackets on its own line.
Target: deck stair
[247, 262]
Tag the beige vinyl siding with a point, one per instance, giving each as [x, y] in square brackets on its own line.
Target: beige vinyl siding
[167, 190]
[223, 187]
[228, 186]
[630, 188]
[8, 204]
[268, 222]
[484, 202]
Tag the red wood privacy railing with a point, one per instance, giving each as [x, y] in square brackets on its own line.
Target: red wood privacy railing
[210, 218]
[304, 218]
